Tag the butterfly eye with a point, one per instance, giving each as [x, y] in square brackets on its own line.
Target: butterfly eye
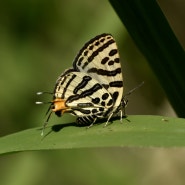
[58, 113]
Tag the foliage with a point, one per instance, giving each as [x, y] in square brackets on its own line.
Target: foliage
[135, 131]
[152, 34]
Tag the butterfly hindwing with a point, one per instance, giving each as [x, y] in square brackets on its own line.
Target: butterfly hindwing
[99, 58]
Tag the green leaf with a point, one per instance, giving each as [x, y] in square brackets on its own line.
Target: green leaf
[152, 34]
[135, 131]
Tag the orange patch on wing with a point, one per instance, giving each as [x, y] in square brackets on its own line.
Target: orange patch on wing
[60, 105]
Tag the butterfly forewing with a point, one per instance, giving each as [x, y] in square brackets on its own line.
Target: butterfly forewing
[83, 95]
[99, 58]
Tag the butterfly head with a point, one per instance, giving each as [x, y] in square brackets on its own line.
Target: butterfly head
[58, 106]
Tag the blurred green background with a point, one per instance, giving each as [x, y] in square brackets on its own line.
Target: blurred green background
[38, 40]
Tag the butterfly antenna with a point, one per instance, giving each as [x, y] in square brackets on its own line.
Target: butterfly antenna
[46, 122]
[124, 100]
[41, 102]
[132, 90]
[40, 93]
[47, 112]
[44, 92]
[49, 109]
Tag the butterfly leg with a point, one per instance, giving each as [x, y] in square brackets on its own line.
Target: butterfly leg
[121, 116]
[107, 122]
[92, 123]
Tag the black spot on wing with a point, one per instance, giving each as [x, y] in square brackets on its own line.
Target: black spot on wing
[85, 52]
[97, 43]
[72, 98]
[110, 102]
[105, 72]
[116, 84]
[61, 79]
[113, 52]
[82, 84]
[94, 111]
[83, 111]
[90, 91]
[96, 100]
[96, 52]
[60, 83]
[115, 95]
[102, 40]
[67, 85]
[103, 103]
[111, 62]
[101, 109]
[105, 96]
[90, 45]
[104, 60]
[85, 93]
[116, 60]
[80, 60]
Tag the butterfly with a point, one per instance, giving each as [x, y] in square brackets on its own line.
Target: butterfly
[93, 88]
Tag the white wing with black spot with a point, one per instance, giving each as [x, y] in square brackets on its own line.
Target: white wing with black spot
[100, 59]
[83, 95]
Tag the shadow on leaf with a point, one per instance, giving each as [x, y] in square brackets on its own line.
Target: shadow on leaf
[57, 128]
